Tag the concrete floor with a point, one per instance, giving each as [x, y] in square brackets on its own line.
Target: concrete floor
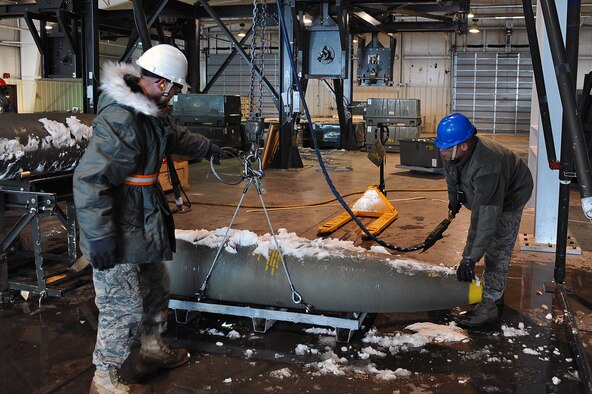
[46, 347]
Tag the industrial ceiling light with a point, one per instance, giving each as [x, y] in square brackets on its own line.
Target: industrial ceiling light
[355, 39]
[307, 19]
[242, 32]
[49, 26]
[474, 28]
[471, 14]
[510, 17]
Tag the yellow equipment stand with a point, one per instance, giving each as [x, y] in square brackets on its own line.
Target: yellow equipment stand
[372, 204]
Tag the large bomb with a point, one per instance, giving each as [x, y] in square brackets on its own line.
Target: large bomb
[332, 275]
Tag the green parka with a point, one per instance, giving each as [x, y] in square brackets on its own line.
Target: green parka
[492, 179]
[131, 134]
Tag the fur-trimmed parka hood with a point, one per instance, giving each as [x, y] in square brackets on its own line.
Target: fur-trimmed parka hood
[115, 86]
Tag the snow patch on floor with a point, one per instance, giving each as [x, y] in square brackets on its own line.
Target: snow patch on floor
[508, 331]
[281, 373]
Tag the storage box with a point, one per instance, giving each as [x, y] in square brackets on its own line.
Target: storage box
[164, 178]
[223, 136]
[212, 109]
[399, 112]
[420, 152]
[396, 134]
[328, 136]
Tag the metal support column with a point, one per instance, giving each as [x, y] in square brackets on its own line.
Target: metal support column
[535, 55]
[348, 94]
[39, 36]
[566, 173]
[37, 253]
[90, 39]
[568, 99]
[69, 26]
[343, 98]
[287, 155]
[344, 87]
[192, 48]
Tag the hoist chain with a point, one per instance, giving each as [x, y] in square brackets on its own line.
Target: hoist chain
[258, 47]
[252, 66]
[264, 45]
[254, 125]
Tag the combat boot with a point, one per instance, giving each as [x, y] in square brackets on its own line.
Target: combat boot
[485, 312]
[154, 354]
[500, 303]
[110, 382]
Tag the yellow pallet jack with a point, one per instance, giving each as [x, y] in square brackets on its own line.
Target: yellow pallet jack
[373, 202]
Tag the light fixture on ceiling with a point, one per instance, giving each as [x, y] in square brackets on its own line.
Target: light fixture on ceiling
[471, 14]
[242, 32]
[48, 26]
[474, 28]
[355, 39]
[307, 19]
[510, 17]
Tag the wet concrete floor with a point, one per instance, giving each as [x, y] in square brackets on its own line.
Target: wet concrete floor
[46, 347]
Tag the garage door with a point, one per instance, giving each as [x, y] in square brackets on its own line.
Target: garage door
[494, 90]
[236, 79]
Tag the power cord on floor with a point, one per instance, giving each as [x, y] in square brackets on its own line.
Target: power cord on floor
[313, 204]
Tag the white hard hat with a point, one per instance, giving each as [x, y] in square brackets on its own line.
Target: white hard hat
[165, 61]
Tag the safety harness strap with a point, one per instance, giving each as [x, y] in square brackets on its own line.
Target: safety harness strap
[141, 179]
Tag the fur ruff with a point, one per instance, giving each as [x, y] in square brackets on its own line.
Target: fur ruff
[115, 87]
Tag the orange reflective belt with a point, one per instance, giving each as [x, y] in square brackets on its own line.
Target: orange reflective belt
[141, 180]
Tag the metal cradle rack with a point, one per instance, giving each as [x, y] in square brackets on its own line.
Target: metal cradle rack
[35, 197]
[264, 319]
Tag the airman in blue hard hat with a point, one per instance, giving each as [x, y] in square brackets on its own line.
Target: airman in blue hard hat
[495, 185]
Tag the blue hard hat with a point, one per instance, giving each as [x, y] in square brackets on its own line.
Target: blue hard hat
[453, 129]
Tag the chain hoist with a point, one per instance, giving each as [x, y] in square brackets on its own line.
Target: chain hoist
[259, 45]
[253, 166]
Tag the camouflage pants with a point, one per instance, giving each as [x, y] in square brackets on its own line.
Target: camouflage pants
[132, 300]
[499, 254]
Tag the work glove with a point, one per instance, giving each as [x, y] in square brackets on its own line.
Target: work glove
[454, 206]
[103, 253]
[218, 154]
[466, 270]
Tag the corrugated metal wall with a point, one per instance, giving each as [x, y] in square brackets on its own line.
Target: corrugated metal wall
[494, 90]
[58, 95]
[49, 95]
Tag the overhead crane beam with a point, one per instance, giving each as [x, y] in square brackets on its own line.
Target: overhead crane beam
[408, 27]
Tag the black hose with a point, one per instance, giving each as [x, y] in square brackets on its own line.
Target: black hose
[318, 153]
